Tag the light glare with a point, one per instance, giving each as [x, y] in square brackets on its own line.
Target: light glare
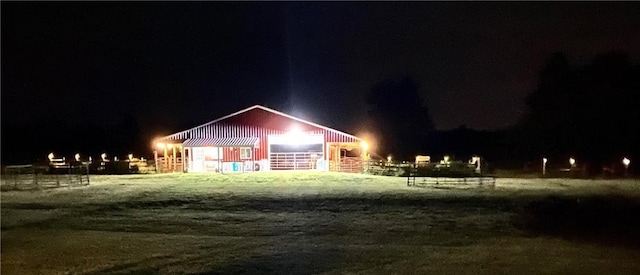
[294, 136]
[364, 145]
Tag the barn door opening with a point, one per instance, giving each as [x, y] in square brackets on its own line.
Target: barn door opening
[305, 153]
[295, 157]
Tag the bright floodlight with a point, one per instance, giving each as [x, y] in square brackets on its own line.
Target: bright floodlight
[160, 145]
[170, 145]
[626, 162]
[294, 136]
[51, 156]
[364, 145]
[572, 161]
[77, 157]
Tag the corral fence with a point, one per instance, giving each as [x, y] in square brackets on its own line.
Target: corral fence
[433, 174]
[382, 168]
[442, 181]
[454, 173]
[30, 176]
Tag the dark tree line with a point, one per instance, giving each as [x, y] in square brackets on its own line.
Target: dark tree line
[590, 112]
[29, 143]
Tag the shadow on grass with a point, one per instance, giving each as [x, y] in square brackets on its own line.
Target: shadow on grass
[287, 262]
[607, 220]
[290, 262]
[139, 267]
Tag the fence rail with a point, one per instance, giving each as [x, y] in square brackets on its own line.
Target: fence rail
[29, 177]
[425, 181]
[294, 161]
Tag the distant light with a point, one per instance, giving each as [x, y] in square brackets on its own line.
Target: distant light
[572, 161]
[389, 158]
[115, 158]
[364, 145]
[90, 159]
[77, 157]
[51, 156]
[130, 156]
[626, 162]
[425, 159]
[544, 160]
[104, 156]
[160, 145]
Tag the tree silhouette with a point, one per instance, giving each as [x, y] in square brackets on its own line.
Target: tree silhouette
[589, 111]
[399, 116]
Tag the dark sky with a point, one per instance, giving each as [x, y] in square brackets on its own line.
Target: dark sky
[173, 65]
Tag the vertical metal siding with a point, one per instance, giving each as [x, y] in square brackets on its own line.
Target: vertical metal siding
[253, 126]
[234, 130]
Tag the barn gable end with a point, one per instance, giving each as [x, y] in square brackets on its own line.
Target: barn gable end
[258, 139]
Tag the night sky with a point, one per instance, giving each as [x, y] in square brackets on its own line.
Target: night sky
[177, 65]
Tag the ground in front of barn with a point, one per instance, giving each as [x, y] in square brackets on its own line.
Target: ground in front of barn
[307, 222]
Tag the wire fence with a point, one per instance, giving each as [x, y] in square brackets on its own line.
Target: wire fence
[31, 177]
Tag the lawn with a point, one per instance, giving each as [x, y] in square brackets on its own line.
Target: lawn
[302, 223]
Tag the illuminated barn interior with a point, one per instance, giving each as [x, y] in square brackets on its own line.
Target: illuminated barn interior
[259, 139]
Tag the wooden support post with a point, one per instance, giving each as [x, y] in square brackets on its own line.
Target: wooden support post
[164, 159]
[155, 156]
[175, 159]
[338, 164]
[184, 162]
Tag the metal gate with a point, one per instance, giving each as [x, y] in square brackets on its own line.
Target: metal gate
[294, 161]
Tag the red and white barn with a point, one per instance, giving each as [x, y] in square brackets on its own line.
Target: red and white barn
[259, 139]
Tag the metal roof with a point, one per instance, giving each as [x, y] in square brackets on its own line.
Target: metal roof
[222, 142]
[170, 141]
[268, 110]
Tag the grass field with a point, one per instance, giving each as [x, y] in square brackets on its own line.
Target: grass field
[310, 223]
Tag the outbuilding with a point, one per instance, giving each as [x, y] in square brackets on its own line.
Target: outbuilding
[259, 139]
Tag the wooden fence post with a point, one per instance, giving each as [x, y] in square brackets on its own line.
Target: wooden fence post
[35, 176]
